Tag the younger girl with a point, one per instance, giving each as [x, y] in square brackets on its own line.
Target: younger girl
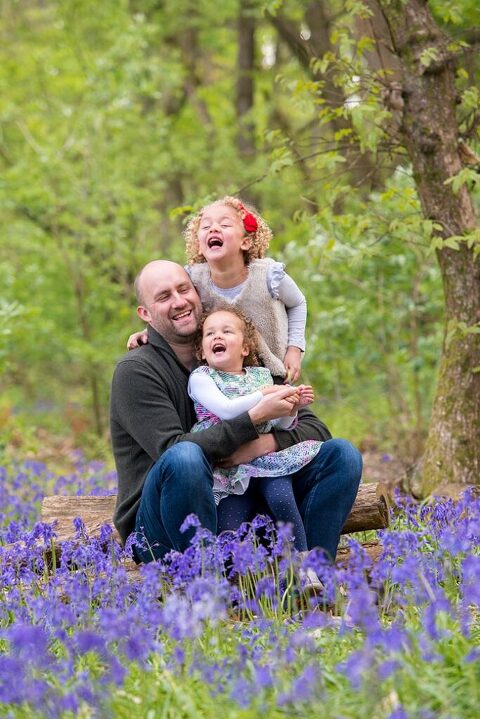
[231, 383]
[226, 243]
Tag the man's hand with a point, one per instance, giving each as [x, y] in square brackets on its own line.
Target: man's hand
[269, 389]
[137, 340]
[292, 362]
[275, 404]
[250, 450]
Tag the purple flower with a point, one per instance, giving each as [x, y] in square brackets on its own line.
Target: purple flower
[357, 665]
[190, 521]
[263, 677]
[398, 713]
[242, 693]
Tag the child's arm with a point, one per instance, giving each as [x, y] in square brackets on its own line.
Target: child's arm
[288, 292]
[202, 389]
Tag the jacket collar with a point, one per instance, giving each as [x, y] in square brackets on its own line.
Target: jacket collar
[160, 344]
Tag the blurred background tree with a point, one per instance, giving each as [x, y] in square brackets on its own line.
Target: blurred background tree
[117, 118]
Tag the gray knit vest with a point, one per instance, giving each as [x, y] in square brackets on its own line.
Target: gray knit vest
[267, 314]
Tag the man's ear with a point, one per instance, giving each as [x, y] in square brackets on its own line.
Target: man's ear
[143, 313]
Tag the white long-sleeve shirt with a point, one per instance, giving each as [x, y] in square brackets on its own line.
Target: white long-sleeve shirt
[202, 389]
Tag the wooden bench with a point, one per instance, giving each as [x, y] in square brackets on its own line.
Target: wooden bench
[370, 511]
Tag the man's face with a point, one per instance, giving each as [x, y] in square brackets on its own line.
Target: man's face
[170, 302]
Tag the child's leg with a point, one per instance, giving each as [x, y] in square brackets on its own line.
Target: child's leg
[278, 493]
[234, 510]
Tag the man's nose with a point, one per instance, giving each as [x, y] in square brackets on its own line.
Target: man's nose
[179, 299]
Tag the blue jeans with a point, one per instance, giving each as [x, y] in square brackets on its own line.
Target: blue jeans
[325, 490]
[179, 483]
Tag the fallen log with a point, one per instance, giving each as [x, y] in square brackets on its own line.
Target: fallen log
[93, 510]
[370, 511]
[372, 549]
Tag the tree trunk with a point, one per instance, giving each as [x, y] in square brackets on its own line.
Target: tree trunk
[431, 136]
[245, 83]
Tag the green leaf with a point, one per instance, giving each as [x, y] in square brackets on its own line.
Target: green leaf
[429, 56]
[463, 177]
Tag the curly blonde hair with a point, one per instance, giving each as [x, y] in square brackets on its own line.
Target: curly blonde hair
[260, 238]
[250, 335]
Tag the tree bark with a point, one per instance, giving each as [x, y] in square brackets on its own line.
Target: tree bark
[245, 81]
[431, 136]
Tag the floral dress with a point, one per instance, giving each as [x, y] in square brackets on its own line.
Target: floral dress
[275, 464]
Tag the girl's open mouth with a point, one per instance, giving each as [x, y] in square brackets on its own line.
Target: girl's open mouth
[215, 242]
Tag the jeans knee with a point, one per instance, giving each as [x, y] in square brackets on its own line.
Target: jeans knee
[183, 453]
[186, 462]
[345, 452]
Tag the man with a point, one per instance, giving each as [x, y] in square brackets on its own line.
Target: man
[164, 470]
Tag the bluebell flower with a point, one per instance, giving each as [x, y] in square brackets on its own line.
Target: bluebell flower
[398, 713]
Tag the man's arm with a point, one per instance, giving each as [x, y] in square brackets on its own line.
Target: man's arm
[142, 406]
[308, 427]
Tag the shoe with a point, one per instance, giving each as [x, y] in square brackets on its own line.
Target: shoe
[311, 584]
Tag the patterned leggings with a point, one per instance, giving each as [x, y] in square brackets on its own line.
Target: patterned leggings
[278, 495]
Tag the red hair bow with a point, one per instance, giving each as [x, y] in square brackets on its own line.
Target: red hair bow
[249, 221]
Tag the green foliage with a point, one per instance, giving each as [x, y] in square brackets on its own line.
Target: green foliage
[117, 118]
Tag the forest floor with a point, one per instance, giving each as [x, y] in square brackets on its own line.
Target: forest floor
[61, 454]
[379, 466]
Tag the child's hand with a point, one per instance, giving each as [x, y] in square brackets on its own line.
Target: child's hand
[306, 394]
[137, 340]
[292, 362]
